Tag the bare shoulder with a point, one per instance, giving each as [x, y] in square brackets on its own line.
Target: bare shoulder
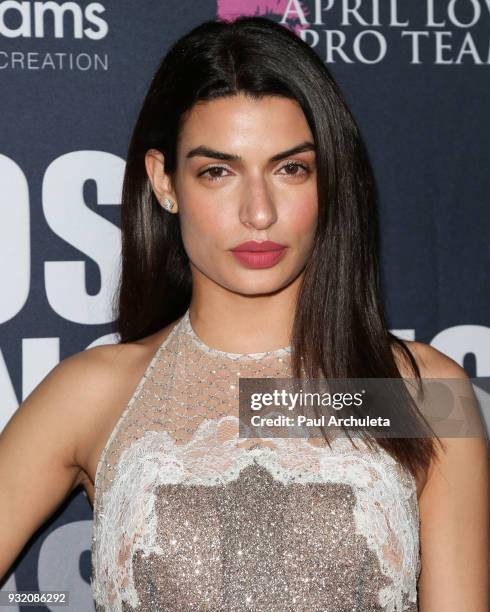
[466, 452]
[106, 377]
[431, 362]
[53, 440]
[453, 492]
[435, 364]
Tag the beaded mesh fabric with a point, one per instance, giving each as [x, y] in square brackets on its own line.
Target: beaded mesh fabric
[190, 516]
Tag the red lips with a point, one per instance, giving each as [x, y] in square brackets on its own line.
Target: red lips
[253, 246]
[259, 255]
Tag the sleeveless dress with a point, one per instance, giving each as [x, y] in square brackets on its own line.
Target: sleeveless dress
[190, 516]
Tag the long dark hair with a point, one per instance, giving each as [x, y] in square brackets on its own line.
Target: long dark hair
[339, 329]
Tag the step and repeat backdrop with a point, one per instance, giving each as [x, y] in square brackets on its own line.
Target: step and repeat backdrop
[72, 79]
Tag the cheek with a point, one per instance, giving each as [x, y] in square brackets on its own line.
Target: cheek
[205, 229]
[303, 218]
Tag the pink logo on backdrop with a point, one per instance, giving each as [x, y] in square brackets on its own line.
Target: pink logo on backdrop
[229, 10]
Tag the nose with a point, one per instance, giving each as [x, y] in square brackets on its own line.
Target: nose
[258, 209]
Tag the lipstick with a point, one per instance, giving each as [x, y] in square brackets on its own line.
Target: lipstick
[259, 254]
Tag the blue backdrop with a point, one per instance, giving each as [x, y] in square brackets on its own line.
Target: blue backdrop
[73, 76]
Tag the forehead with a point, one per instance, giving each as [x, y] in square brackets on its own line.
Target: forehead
[240, 121]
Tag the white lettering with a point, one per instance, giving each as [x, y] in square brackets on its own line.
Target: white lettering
[394, 16]
[93, 18]
[382, 46]
[24, 10]
[15, 241]
[72, 220]
[430, 16]
[32, 18]
[294, 7]
[452, 15]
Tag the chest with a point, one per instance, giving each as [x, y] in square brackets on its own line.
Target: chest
[210, 518]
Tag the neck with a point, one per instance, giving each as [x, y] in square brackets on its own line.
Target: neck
[243, 324]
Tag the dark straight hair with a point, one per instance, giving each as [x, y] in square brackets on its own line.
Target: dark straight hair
[339, 330]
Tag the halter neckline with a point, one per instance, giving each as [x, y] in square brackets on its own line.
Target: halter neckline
[187, 327]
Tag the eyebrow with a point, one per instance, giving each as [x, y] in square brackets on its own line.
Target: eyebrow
[203, 151]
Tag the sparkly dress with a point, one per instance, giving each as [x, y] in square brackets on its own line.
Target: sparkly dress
[190, 516]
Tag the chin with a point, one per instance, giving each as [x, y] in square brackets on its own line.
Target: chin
[256, 288]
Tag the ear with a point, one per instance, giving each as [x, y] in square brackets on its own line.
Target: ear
[160, 181]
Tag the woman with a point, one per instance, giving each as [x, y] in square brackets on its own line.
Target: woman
[249, 250]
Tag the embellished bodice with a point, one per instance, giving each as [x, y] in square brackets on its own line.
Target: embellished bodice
[188, 515]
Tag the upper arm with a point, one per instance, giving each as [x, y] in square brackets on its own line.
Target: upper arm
[38, 450]
[454, 514]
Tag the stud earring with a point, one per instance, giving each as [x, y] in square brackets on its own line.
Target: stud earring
[168, 204]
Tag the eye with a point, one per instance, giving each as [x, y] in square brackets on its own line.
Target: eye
[213, 173]
[295, 169]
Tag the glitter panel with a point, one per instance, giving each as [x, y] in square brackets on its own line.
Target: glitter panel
[188, 516]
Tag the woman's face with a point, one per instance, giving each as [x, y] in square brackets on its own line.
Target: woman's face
[263, 193]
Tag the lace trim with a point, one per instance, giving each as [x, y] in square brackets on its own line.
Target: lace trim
[386, 511]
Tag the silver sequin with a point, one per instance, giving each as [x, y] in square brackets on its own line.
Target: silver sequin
[188, 516]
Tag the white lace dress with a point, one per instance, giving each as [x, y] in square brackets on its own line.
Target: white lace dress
[190, 516]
